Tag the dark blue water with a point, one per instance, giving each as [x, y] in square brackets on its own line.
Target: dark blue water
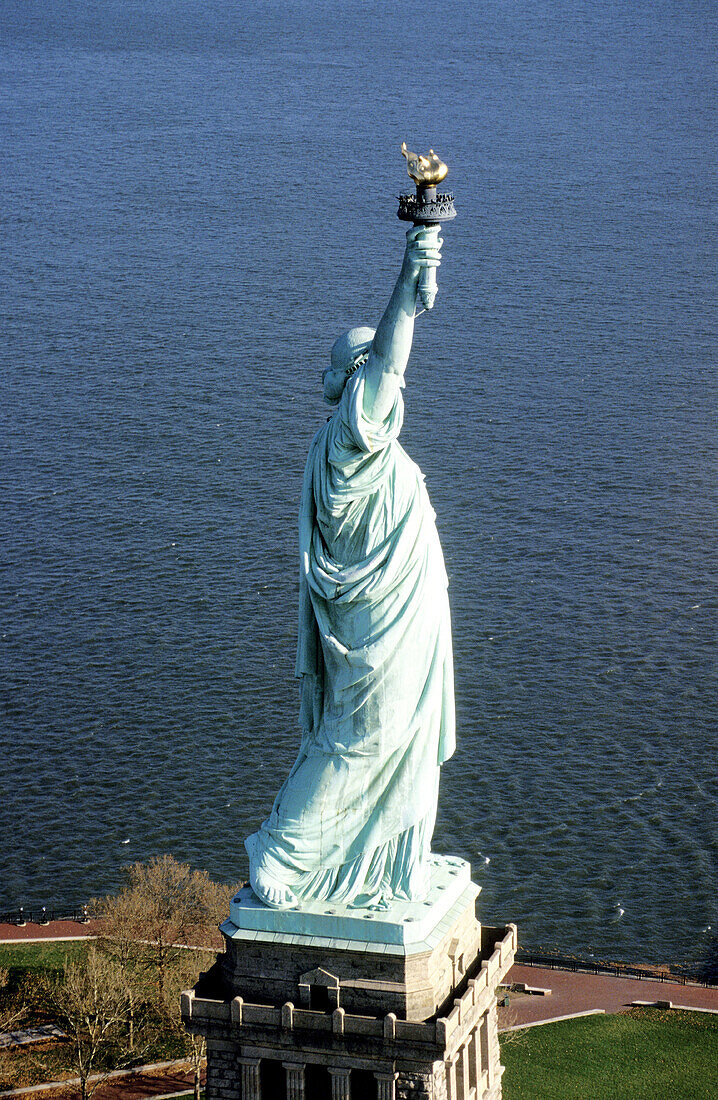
[195, 199]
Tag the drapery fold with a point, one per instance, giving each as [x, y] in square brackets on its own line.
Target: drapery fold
[375, 663]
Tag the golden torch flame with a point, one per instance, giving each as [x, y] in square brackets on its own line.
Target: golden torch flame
[425, 171]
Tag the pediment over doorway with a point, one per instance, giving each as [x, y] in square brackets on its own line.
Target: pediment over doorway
[319, 976]
[319, 989]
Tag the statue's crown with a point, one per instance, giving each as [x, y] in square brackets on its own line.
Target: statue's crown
[358, 362]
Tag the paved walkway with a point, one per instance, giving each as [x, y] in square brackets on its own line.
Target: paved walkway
[160, 1080]
[141, 1085]
[573, 992]
[27, 1035]
[54, 930]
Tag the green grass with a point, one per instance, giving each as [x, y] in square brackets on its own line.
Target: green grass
[646, 1054]
[41, 956]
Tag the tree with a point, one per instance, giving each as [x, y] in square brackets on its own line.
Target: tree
[89, 1001]
[183, 975]
[163, 925]
[120, 942]
[164, 907]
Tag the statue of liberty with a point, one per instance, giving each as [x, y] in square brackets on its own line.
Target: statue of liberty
[353, 821]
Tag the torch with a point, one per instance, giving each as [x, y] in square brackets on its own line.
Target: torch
[426, 208]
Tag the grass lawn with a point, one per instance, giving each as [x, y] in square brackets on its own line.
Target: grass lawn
[40, 956]
[645, 1054]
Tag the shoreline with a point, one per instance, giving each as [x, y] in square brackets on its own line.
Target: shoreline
[68, 930]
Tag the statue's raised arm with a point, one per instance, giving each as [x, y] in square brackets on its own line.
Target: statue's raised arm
[389, 352]
[385, 353]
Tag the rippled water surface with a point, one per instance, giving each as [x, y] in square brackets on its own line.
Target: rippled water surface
[195, 199]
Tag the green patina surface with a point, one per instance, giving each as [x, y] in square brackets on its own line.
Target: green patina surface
[353, 821]
[402, 924]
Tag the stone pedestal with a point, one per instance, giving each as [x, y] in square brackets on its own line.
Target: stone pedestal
[300, 1005]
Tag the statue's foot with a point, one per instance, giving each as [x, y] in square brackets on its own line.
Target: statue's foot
[271, 891]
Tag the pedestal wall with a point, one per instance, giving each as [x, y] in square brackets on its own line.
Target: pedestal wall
[371, 978]
[259, 1050]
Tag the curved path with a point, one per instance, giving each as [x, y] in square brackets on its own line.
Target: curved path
[573, 992]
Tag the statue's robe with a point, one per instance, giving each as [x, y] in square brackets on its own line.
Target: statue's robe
[354, 819]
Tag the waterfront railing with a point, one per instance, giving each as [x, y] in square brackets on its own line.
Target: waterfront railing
[525, 957]
[81, 914]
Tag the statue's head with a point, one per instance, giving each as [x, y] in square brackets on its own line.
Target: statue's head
[348, 353]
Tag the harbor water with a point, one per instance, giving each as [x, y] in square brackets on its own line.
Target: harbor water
[195, 200]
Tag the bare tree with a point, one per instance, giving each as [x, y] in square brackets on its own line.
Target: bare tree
[182, 976]
[119, 939]
[89, 1001]
[164, 906]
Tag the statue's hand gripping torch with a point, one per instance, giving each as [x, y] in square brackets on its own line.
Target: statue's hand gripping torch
[426, 208]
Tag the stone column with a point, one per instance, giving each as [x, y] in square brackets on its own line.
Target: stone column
[385, 1086]
[492, 1024]
[249, 1076]
[341, 1084]
[295, 1080]
[462, 1073]
[475, 1061]
[450, 1064]
[486, 1063]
